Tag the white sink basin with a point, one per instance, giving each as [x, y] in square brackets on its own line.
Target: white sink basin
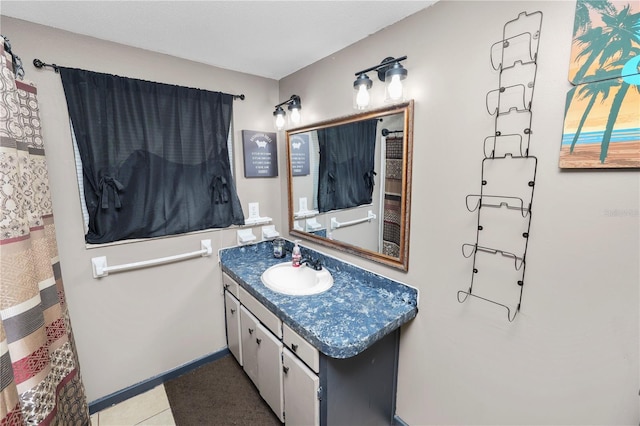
[300, 281]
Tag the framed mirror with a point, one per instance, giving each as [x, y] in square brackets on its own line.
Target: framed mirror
[350, 183]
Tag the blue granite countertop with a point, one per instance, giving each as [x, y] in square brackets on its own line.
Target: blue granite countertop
[360, 308]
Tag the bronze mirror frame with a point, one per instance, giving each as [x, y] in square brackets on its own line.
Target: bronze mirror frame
[401, 262]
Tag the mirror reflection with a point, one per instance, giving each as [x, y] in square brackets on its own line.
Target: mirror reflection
[349, 183]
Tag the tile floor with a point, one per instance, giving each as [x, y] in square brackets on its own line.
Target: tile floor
[150, 408]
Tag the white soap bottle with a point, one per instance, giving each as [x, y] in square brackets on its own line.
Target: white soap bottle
[296, 256]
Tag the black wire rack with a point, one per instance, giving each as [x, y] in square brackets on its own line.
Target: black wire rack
[508, 175]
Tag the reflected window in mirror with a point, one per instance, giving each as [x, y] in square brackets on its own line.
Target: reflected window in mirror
[346, 170]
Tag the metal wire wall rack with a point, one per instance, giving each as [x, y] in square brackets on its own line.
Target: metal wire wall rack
[499, 253]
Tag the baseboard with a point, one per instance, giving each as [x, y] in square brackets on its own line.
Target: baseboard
[138, 388]
[397, 421]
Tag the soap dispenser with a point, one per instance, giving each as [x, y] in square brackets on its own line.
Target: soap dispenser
[296, 256]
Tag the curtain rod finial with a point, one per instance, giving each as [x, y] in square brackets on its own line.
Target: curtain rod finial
[39, 64]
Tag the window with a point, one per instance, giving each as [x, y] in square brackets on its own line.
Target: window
[78, 162]
[155, 157]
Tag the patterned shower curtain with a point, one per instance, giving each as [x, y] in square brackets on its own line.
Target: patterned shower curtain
[40, 381]
[392, 225]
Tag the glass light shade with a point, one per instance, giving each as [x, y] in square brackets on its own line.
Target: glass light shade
[279, 118]
[361, 96]
[394, 87]
[295, 117]
[294, 110]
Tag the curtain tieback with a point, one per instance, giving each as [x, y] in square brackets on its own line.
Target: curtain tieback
[331, 187]
[117, 187]
[220, 190]
[369, 179]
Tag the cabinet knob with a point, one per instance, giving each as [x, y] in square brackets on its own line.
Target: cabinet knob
[226, 286]
[250, 330]
[294, 347]
[233, 311]
[285, 369]
[258, 341]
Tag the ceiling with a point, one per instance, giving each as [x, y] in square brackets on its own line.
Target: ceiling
[266, 38]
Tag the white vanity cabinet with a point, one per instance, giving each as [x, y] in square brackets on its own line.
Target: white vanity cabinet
[301, 391]
[256, 348]
[248, 332]
[262, 356]
[254, 337]
[302, 385]
[232, 314]
[270, 370]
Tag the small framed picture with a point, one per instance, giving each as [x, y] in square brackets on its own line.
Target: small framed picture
[260, 152]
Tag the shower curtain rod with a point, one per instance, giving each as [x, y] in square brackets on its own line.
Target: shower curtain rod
[387, 132]
[39, 64]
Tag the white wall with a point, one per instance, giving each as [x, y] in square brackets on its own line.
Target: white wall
[132, 326]
[571, 356]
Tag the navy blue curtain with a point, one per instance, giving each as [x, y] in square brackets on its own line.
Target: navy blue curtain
[154, 156]
[346, 165]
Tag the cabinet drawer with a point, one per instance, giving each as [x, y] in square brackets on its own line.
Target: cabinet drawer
[230, 285]
[301, 347]
[263, 314]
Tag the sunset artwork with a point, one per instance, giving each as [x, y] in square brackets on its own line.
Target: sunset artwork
[602, 112]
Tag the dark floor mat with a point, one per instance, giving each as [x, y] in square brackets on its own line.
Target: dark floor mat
[218, 393]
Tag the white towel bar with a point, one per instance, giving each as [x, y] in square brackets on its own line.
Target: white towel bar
[335, 224]
[100, 268]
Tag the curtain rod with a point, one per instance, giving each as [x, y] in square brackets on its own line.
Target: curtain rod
[39, 64]
[386, 132]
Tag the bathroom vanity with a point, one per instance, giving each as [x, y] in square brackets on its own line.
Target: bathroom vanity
[328, 358]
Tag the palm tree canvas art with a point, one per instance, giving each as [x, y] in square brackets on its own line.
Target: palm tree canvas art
[602, 113]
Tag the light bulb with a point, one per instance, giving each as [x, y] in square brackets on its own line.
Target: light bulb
[280, 121]
[295, 116]
[363, 97]
[394, 88]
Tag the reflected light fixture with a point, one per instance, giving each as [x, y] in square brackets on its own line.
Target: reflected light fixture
[391, 71]
[294, 107]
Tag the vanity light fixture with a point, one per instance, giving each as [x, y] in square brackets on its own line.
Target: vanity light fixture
[391, 71]
[294, 107]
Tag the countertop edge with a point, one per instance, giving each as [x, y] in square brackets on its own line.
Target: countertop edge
[337, 352]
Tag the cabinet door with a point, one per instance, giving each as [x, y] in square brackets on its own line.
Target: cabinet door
[270, 370]
[232, 315]
[248, 327]
[301, 403]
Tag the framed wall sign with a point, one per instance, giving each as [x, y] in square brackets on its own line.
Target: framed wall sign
[260, 152]
[300, 154]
